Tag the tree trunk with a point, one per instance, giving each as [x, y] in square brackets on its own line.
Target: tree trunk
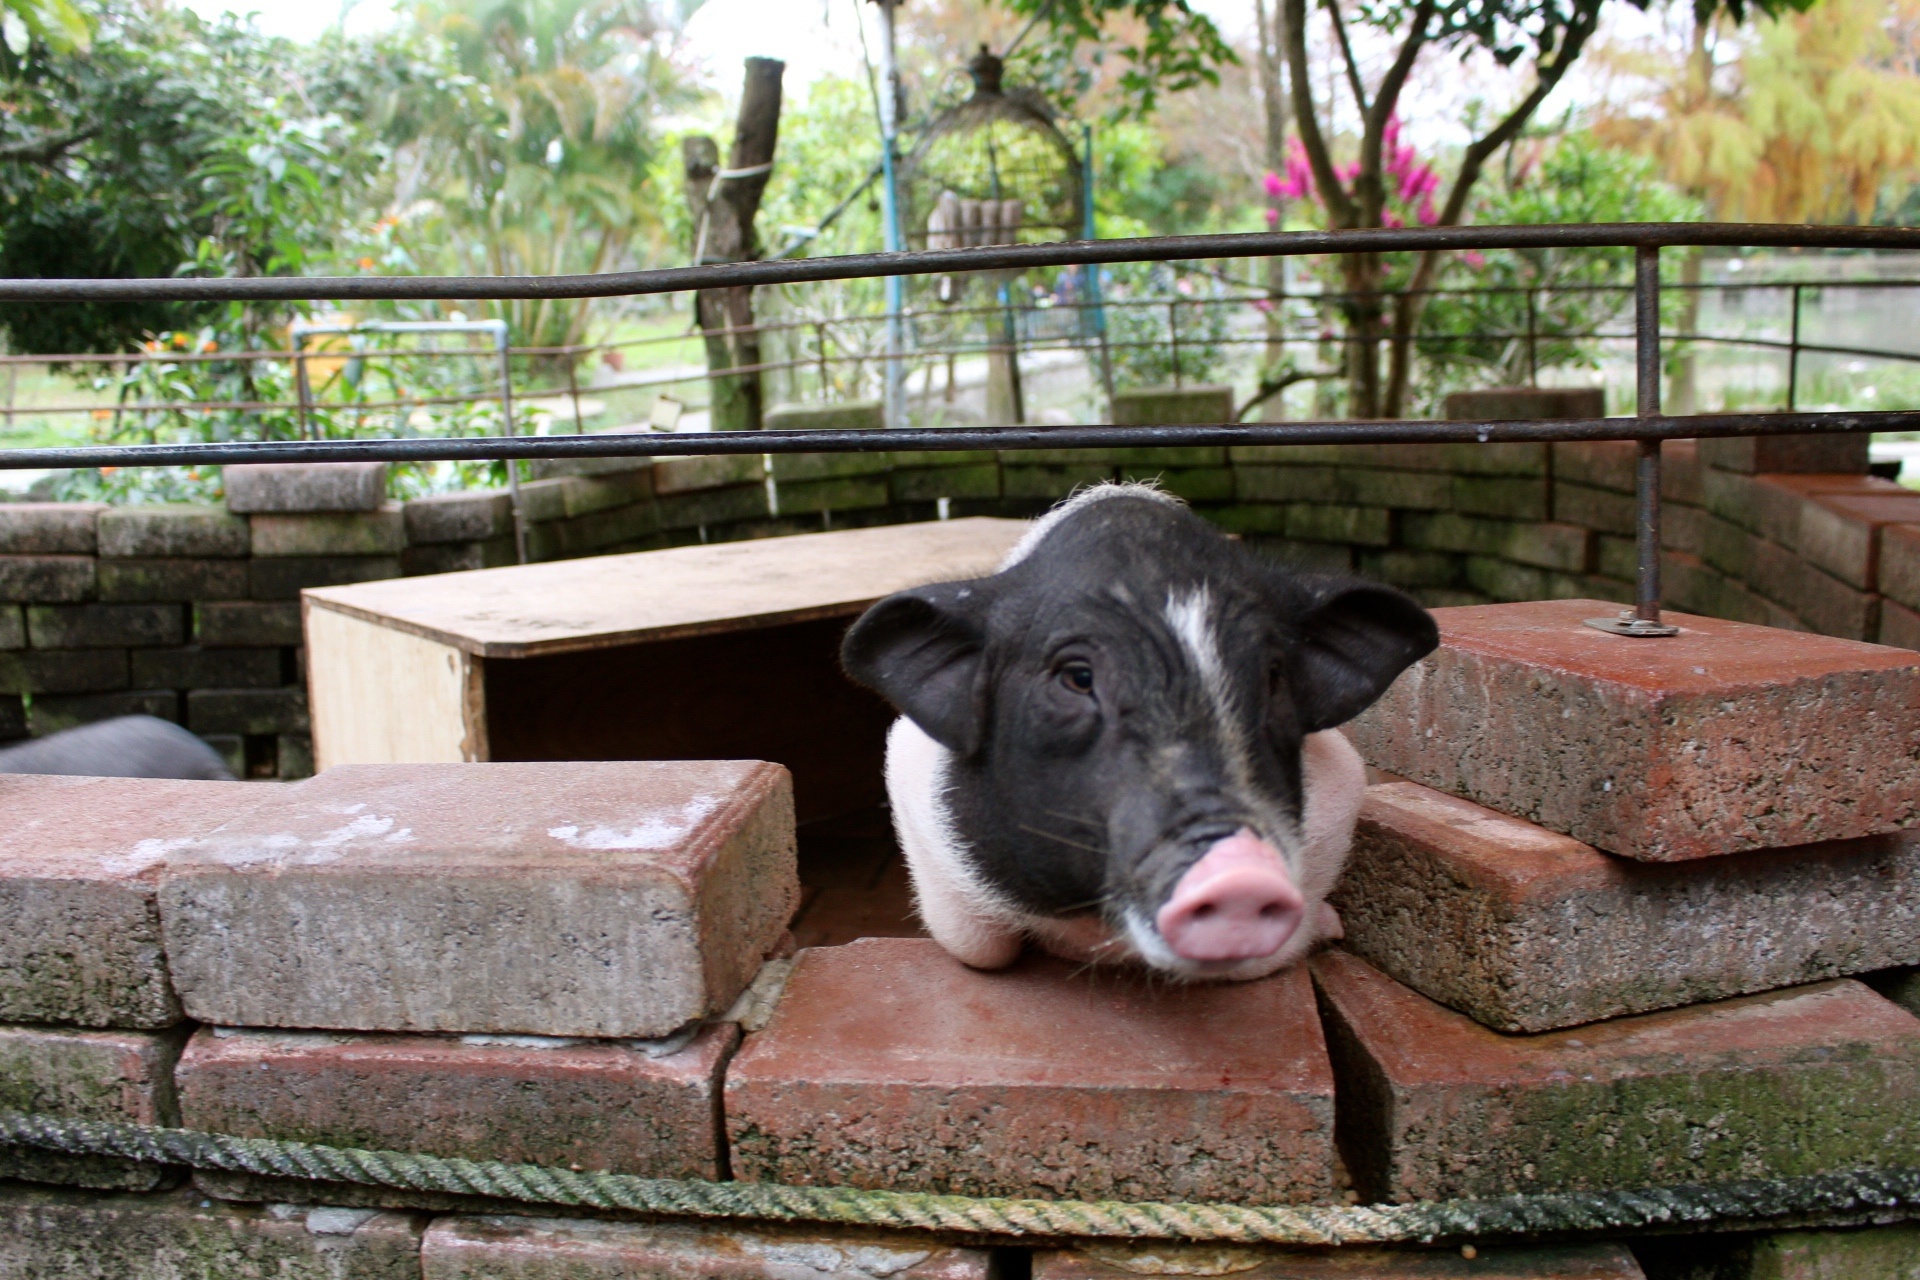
[1683, 392]
[724, 232]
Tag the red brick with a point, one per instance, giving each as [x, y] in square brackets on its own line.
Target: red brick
[890, 1064]
[1899, 626]
[1525, 929]
[1841, 533]
[87, 1075]
[593, 898]
[80, 864]
[1795, 453]
[1520, 1262]
[1900, 564]
[1433, 1105]
[1723, 738]
[502, 1247]
[1822, 601]
[600, 1105]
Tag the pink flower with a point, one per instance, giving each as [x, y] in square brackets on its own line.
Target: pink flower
[1263, 304]
[1474, 258]
[1273, 184]
[1273, 217]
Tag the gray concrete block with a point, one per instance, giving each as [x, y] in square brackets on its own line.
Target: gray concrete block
[63, 670]
[13, 627]
[246, 623]
[458, 557]
[1172, 406]
[104, 626]
[171, 531]
[247, 711]
[285, 577]
[49, 528]
[88, 1075]
[459, 517]
[46, 579]
[843, 415]
[52, 712]
[303, 486]
[181, 580]
[579, 899]
[330, 533]
[206, 669]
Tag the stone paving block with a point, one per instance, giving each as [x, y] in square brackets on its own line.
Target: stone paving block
[49, 528]
[171, 531]
[80, 860]
[459, 517]
[1035, 1080]
[1900, 564]
[52, 712]
[601, 1105]
[585, 535]
[285, 577]
[247, 711]
[74, 1235]
[502, 1247]
[707, 471]
[458, 557]
[104, 626]
[1118, 1261]
[46, 579]
[1433, 1105]
[137, 580]
[1724, 738]
[88, 1075]
[703, 507]
[563, 497]
[304, 486]
[1525, 929]
[330, 533]
[1751, 455]
[63, 670]
[242, 624]
[206, 668]
[601, 899]
[1871, 1253]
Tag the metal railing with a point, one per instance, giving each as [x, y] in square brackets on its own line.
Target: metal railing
[1648, 426]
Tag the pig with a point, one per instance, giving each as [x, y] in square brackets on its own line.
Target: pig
[124, 747]
[1122, 745]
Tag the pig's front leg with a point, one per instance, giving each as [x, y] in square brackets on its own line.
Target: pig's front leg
[1333, 782]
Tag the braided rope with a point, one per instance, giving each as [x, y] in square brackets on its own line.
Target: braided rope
[1882, 1192]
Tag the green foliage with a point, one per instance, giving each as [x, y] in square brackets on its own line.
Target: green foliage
[1161, 331]
[1163, 47]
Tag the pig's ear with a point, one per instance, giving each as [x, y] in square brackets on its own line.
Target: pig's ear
[1354, 641]
[921, 649]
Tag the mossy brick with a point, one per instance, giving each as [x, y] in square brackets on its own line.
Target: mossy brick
[1039, 1079]
[1504, 497]
[80, 862]
[1026, 480]
[788, 468]
[712, 506]
[47, 579]
[1286, 484]
[1900, 564]
[1126, 1260]
[13, 627]
[1542, 545]
[1598, 464]
[1882, 1253]
[1525, 929]
[810, 496]
[1314, 557]
[839, 415]
[247, 711]
[302, 486]
[548, 468]
[1404, 490]
[87, 1075]
[1526, 404]
[706, 471]
[1842, 533]
[104, 626]
[1616, 557]
[222, 624]
[1681, 471]
[1365, 526]
[928, 484]
[34, 671]
[1731, 497]
[1795, 1083]
[182, 580]
[52, 712]
[13, 717]
[1832, 453]
[1502, 459]
[1248, 519]
[1411, 568]
[1899, 626]
[1194, 484]
[605, 899]
[181, 1235]
[330, 533]
[1200, 404]
[566, 497]
[1823, 602]
[294, 754]
[1505, 580]
[49, 528]
[458, 557]
[498, 1247]
[606, 1106]
[1726, 546]
[1780, 502]
[473, 516]
[198, 668]
[232, 750]
[285, 577]
[1727, 737]
[586, 535]
[171, 531]
[1590, 508]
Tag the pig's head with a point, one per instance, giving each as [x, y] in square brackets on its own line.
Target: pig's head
[1119, 719]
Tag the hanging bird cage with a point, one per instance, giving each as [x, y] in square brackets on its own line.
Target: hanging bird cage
[994, 170]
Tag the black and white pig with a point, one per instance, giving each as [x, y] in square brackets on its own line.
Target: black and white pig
[1121, 745]
[123, 747]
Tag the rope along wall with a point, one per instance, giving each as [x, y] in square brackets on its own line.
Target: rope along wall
[1879, 1194]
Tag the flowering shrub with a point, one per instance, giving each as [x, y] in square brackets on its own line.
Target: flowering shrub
[1412, 182]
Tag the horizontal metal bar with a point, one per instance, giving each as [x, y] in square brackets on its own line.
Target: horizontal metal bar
[940, 261]
[949, 439]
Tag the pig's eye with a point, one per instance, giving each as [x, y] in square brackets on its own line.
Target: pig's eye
[1077, 676]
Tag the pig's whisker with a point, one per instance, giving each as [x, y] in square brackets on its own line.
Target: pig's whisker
[1067, 817]
[1071, 844]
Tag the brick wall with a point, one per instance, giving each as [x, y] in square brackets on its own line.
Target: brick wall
[192, 613]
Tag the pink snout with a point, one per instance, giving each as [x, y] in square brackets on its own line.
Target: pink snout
[1236, 903]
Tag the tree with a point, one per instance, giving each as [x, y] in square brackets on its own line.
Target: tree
[1166, 48]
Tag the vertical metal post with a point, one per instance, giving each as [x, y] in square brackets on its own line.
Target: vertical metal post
[301, 384]
[1090, 273]
[1533, 343]
[1793, 355]
[895, 399]
[1173, 333]
[513, 465]
[573, 389]
[826, 382]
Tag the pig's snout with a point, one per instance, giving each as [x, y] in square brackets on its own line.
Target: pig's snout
[1236, 903]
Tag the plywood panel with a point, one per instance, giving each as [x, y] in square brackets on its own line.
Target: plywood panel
[380, 696]
[567, 606]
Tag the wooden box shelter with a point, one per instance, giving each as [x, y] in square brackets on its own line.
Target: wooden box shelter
[729, 651]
